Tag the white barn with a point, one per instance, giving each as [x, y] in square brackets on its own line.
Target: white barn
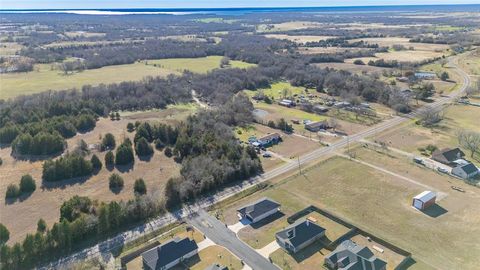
[423, 200]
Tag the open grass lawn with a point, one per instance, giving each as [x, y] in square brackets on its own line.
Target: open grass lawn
[43, 79]
[276, 90]
[9, 48]
[358, 69]
[198, 65]
[471, 62]
[173, 114]
[409, 137]
[401, 56]
[212, 255]
[380, 204]
[438, 69]
[45, 202]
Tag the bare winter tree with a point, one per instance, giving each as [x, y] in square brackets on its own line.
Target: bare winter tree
[469, 140]
[430, 115]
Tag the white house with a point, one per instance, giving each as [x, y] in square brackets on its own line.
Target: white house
[465, 171]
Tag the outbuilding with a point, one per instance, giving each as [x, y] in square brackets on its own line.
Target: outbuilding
[466, 171]
[424, 200]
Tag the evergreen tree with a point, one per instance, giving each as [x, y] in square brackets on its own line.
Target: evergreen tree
[109, 159]
[115, 181]
[130, 127]
[12, 191]
[108, 142]
[124, 154]
[4, 234]
[27, 184]
[140, 187]
[96, 163]
[41, 226]
[143, 148]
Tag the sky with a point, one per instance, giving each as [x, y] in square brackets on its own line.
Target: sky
[96, 4]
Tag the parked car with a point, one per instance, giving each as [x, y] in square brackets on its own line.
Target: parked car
[418, 160]
[266, 155]
[442, 170]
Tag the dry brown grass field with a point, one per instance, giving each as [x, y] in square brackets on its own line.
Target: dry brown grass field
[287, 26]
[352, 67]
[390, 41]
[315, 50]
[299, 39]
[380, 204]
[401, 56]
[45, 202]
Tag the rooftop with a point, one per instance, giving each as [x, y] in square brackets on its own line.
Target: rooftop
[162, 255]
[300, 232]
[259, 207]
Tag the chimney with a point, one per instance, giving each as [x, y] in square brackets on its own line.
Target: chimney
[307, 222]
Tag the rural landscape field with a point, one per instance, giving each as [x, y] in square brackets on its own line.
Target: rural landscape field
[240, 138]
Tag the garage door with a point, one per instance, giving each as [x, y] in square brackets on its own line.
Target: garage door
[417, 204]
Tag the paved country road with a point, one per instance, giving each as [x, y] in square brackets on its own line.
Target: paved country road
[221, 235]
[104, 248]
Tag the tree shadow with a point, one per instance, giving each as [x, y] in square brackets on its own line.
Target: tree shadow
[145, 158]
[64, 183]
[34, 158]
[116, 190]
[267, 220]
[20, 198]
[125, 168]
[435, 211]
[308, 251]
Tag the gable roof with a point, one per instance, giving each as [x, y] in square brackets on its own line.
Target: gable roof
[270, 137]
[320, 124]
[258, 208]
[300, 232]
[168, 252]
[351, 256]
[469, 168]
[425, 196]
[447, 155]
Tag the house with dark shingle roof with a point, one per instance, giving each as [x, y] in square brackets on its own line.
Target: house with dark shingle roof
[169, 254]
[316, 126]
[448, 156]
[258, 210]
[350, 256]
[216, 266]
[299, 235]
[466, 171]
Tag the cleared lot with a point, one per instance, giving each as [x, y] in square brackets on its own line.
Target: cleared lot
[390, 41]
[299, 39]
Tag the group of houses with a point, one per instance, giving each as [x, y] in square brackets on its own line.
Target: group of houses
[304, 232]
[265, 141]
[455, 158]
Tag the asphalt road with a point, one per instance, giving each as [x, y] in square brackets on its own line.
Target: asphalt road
[104, 248]
[221, 235]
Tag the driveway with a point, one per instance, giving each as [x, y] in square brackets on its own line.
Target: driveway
[268, 249]
[221, 235]
[237, 227]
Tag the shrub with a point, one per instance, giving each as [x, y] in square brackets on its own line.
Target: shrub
[96, 163]
[27, 184]
[115, 181]
[109, 159]
[130, 127]
[159, 145]
[143, 148]
[12, 191]
[1, 161]
[4, 234]
[140, 187]
[358, 62]
[108, 142]
[41, 226]
[168, 152]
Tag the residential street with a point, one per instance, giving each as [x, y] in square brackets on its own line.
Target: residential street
[221, 235]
